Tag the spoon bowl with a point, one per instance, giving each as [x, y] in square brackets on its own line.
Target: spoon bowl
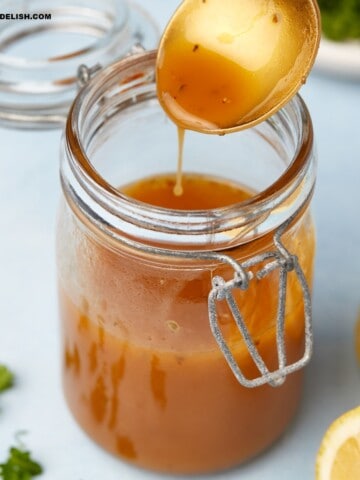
[226, 65]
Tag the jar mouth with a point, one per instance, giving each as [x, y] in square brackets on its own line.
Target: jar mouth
[43, 44]
[233, 224]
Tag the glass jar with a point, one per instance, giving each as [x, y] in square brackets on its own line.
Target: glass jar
[43, 44]
[170, 317]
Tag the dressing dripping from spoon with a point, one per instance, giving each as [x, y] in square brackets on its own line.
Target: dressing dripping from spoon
[226, 65]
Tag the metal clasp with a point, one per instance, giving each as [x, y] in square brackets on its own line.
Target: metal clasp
[280, 259]
[85, 73]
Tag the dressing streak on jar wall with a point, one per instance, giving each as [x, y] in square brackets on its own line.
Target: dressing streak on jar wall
[143, 374]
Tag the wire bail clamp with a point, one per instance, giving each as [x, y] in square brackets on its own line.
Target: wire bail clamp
[285, 262]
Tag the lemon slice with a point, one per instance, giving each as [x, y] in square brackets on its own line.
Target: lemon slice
[357, 337]
[339, 454]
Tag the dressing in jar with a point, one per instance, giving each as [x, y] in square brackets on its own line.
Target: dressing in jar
[185, 319]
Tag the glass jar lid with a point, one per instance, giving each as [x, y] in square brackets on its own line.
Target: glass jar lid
[44, 45]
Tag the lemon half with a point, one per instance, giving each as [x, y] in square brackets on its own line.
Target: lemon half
[339, 454]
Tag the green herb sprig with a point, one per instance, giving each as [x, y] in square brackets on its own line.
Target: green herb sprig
[19, 466]
[6, 378]
[340, 19]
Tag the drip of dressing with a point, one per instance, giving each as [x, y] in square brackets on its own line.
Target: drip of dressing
[178, 189]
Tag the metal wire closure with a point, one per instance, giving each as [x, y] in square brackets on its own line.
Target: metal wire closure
[283, 260]
[85, 73]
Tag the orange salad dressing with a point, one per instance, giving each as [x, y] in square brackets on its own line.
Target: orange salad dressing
[142, 372]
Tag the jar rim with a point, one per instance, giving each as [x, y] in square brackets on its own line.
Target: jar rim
[37, 93]
[250, 211]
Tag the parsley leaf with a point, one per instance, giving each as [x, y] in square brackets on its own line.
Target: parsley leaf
[19, 466]
[6, 378]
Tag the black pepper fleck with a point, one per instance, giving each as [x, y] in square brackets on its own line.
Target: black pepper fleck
[195, 47]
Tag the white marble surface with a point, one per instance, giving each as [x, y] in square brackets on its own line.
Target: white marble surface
[29, 338]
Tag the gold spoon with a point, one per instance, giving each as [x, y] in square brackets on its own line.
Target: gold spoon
[226, 65]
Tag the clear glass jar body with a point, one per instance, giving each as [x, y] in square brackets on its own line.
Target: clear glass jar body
[142, 372]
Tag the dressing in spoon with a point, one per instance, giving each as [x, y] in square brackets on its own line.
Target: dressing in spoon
[226, 65]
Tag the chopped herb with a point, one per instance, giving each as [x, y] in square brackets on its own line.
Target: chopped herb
[6, 378]
[19, 466]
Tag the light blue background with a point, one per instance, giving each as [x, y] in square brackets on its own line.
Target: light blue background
[29, 191]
